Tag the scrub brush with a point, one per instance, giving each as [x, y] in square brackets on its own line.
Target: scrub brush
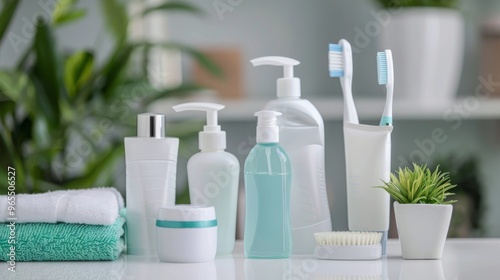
[385, 71]
[348, 245]
[340, 66]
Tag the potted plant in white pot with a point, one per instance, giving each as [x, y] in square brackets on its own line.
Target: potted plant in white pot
[427, 41]
[422, 210]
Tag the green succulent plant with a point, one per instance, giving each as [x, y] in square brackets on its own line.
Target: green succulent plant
[418, 3]
[419, 186]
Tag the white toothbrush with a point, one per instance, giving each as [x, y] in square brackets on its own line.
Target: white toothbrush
[340, 65]
[385, 71]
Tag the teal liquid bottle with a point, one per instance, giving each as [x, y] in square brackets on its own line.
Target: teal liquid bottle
[267, 185]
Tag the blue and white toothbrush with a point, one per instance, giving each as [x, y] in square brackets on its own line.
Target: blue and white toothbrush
[386, 77]
[340, 65]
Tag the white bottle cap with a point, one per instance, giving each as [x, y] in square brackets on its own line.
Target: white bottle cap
[288, 86]
[186, 213]
[267, 126]
[211, 138]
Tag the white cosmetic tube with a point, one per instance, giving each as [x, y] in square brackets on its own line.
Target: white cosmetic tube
[368, 163]
[151, 167]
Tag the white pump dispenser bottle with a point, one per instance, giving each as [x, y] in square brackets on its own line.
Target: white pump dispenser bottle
[302, 136]
[213, 175]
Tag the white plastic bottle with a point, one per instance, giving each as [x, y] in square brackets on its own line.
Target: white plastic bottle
[213, 175]
[151, 168]
[302, 136]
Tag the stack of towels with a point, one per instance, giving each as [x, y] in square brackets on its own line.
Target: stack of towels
[69, 225]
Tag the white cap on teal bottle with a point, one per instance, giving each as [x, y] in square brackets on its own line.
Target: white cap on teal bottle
[267, 126]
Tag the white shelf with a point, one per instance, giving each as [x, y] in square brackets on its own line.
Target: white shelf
[332, 109]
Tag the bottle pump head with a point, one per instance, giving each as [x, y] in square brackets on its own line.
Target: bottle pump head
[267, 126]
[288, 86]
[211, 138]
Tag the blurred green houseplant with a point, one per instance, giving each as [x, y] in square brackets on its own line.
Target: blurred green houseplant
[468, 212]
[418, 3]
[63, 116]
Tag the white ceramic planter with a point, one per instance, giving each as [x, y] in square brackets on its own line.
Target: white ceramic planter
[422, 229]
[427, 46]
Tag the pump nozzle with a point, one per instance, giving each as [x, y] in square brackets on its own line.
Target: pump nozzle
[211, 138]
[267, 126]
[288, 86]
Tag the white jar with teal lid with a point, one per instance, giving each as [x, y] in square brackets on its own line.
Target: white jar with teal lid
[186, 233]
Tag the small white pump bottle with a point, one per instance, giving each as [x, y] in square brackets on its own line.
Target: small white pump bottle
[302, 136]
[213, 175]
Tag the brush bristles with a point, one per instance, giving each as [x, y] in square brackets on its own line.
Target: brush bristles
[335, 48]
[336, 60]
[348, 277]
[382, 68]
[348, 238]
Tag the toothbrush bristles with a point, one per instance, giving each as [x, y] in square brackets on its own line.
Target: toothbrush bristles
[336, 60]
[348, 238]
[335, 48]
[382, 68]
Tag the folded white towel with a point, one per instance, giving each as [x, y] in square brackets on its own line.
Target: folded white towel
[99, 206]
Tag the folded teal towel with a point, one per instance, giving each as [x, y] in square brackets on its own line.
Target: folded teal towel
[63, 242]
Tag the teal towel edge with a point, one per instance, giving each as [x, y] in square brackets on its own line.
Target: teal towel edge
[64, 242]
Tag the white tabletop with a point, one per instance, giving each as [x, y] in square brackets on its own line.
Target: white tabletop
[462, 259]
